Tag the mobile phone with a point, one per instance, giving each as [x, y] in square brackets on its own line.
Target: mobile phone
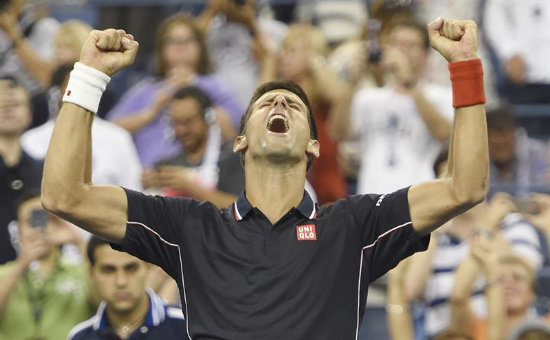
[38, 218]
[374, 51]
[239, 2]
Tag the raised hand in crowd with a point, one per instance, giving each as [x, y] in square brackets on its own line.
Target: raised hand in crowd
[482, 259]
[500, 205]
[541, 219]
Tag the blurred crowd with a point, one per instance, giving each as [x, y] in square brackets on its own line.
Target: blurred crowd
[383, 108]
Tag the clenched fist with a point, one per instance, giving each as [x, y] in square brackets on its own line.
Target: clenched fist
[109, 51]
[456, 40]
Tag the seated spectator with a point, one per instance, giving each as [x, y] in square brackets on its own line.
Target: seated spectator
[515, 30]
[26, 40]
[114, 156]
[517, 161]
[430, 275]
[18, 170]
[42, 296]
[129, 310]
[541, 217]
[509, 278]
[181, 59]
[206, 168]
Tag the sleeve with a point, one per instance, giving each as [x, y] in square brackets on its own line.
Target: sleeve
[385, 230]
[137, 98]
[129, 159]
[223, 96]
[153, 229]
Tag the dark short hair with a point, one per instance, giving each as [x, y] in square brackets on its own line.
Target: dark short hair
[196, 93]
[93, 244]
[281, 85]
[501, 118]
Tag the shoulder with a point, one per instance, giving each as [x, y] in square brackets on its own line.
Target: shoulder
[83, 330]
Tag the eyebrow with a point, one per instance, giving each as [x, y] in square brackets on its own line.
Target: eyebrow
[289, 99]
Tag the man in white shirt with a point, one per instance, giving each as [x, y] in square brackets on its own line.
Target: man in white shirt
[403, 124]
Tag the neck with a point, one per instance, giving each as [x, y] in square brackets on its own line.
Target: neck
[274, 189]
[10, 149]
[124, 323]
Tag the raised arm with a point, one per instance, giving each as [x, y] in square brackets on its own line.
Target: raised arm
[432, 203]
[66, 187]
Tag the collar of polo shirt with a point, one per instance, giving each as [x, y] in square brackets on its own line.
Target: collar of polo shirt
[242, 207]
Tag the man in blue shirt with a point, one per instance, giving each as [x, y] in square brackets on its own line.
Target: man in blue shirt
[129, 309]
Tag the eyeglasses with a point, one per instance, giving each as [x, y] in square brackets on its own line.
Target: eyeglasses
[179, 41]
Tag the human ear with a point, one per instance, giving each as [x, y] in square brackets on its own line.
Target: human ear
[313, 148]
[240, 144]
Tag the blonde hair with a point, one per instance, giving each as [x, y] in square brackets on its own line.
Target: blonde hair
[309, 36]
[73, 33]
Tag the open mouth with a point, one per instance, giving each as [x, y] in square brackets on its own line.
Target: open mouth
[278, 124]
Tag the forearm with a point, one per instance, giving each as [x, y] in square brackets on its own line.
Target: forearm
[399, 316]
[438, 126]
[469, 166]
[134, 122]
[465, 277]
[67, 161]
[9, 282]
[496, 316]
[39, 68]
[419, 270]
[339, 119]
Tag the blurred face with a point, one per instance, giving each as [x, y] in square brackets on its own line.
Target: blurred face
[15, 115]
[188, 123]
[517, 288]
[181, 48]
[502, 146]
[36, 223]
[64, 53]
[119, 279]
[293, 60]
[278, 129]
[410, 42]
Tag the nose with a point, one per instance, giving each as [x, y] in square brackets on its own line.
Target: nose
[280, 100]
[121, 279]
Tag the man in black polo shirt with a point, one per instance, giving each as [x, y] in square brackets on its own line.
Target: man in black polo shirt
[272, 265]
[18, 171]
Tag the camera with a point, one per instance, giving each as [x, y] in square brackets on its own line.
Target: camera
[374, 51]
[38, 218]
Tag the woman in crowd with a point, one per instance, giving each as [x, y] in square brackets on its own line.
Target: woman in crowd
[180, 59]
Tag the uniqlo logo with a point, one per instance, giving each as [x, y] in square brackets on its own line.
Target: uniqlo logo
[306, 232]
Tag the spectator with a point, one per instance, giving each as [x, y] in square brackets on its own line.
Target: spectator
[430, 276]
[18, 170]
[181, 59]
[26, 39]
[114, 156]
[302, 60]
[517, 161]
[129, 310]
[402, 125]
[206, 168]
[541, 219]
[510, 278]
[517, 33]
[240, 63]
[41, 295]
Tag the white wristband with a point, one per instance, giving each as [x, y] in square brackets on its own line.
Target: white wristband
[85, 87]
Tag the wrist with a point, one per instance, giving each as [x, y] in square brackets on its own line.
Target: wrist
[86, 86]
[467, 82]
